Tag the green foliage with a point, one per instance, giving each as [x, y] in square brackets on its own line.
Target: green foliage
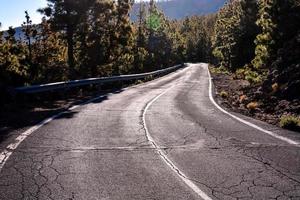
[265, 41]
[66, 16]
[259, 40]
[285, 67]
[224, 94]
[30, 32]
[154, 21]
[49, 55]
[197, 31]
[226, 33]
[235, 30]
[290, 122]
[89, 38]
[13, 66]
[92, 38]
[219, 70]
[158, 40]
[250, 75]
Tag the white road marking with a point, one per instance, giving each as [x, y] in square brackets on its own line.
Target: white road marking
[285, 139]
[4, 155]
[165, 158]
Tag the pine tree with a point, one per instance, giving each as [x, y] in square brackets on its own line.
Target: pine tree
[65, 16]
[178, 43]
[284, 61]
[101, 38]
[141, 25]
[159, 44]
[13, 68]
[30, 32]
[140, 52]
[227, 32]
[122, 56]
[105, 39]
[197, 31]
[49, 54]
[265, 41]
[249, 31]
[235, 32]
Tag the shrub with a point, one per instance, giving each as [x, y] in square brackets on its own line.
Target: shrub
[252, 106]
[247, 74]
[243, 98]
[224, 94]
[253, 77]
[290, 122]
[240, 74]
[139, 82]
[149, 78]
[219, 70]
[275, 88]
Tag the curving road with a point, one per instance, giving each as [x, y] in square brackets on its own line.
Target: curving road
[164, 139]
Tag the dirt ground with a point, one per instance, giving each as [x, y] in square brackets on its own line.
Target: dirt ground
[239, 96]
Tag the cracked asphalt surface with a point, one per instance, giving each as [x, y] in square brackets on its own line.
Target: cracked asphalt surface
[100, 150]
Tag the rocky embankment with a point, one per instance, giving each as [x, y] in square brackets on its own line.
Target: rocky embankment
[252, 100]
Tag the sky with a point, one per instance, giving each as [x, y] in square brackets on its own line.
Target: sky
[12, 12]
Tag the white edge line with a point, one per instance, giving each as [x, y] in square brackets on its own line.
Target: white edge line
[6, 153]
[289, 141]
[165, 158]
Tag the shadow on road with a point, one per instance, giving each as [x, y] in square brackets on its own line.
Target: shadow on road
[19, 117]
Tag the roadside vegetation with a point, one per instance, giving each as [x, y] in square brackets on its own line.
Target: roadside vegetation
[258, 43]
[253, 44]
[290, 122]
[92, 38]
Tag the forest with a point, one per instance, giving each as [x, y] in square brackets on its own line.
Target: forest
[92, 38]
[178, 9]
[257, 40]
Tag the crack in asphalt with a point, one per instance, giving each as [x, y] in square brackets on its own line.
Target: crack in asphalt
[189, 182]
[37, 176]
[269, 164]
[252, 183]
[43, 173]
[237, 191]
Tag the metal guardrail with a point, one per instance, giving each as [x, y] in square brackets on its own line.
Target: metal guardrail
[91, 81]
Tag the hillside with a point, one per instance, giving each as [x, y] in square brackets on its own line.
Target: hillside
[177, 9]
[19, 33]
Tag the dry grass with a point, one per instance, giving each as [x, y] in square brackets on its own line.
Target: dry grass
[252, 106]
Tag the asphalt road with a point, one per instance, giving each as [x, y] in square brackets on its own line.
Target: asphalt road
[160, 140]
